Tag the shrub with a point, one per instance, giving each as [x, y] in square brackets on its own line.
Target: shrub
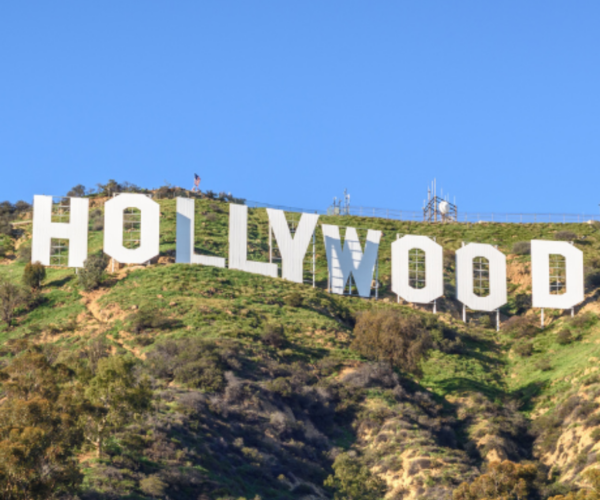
[566, 235]
[33, 275]
[24, 253]
[522, 248]
[564, 337]
[543, 365]
[146, 318]
[153, 486]
[582, 320]
[595, 435]
[294, 299]
[92, 274]
[524, 348]
[97, 220]
[484, 321]
[353, 480]
[210, 217]
[192, 362]
[520, 326]
[385, 335]
[5, 247]
[11, 297]
[273, 335]
[505, 480]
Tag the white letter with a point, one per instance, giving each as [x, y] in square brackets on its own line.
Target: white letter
[149, 230]
[496, 275]
[540, 274]
[76, 230]
[434, 269]
[238, 243]
[293, 249]
[350, 259]
[184, 250]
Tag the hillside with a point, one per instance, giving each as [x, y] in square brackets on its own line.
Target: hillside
[257, 390]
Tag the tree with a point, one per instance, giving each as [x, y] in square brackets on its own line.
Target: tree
[353, 480]
[503, 481]
[116, 396]
[92, 274]
[110, 188]
[11, 297]
[39, 435]
[34, 274]
[77, 191]
[385, 335]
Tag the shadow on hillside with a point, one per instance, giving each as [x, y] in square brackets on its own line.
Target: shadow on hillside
[527, 394]
[59, 283]
[464, 385]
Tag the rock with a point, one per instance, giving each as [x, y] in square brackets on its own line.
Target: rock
[133, 308]
[171, 304]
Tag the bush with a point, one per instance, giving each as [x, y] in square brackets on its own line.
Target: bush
[11, 297]
[97, 220]
[91, 275]
[146, 318]
[153, 486]
[505, 480]
[566, 235]
[294, 299]
[33, 275]
[522, 248]
[5, 247]
[564, 337]
[273, 336]
[353, 480]
[543, 365]
[520, 326]
[524, 348]
[385, 335]
[193, 362]
[24, 253]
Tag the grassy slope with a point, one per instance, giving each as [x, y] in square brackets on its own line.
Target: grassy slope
[223, 304]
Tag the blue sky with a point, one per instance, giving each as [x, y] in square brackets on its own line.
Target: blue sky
[291, 102]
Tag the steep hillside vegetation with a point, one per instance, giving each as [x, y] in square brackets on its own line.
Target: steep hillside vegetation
[193, 382]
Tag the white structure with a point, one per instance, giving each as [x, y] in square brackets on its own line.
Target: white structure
[292, 249]
[184, 252]
[76, 230]
[149, 230]
[434, 269]
[350, 260]
[238, 244]
[540, 274]
[497, 277]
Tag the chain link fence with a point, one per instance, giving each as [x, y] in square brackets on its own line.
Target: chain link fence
[417, 215]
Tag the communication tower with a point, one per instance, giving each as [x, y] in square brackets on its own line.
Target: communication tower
[439, 208]
[341, 206]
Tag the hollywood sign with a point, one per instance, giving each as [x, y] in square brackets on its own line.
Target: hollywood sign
[343, 260]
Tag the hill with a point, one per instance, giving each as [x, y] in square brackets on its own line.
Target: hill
[253, 387]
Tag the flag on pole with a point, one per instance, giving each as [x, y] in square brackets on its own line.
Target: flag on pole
[196, 182]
